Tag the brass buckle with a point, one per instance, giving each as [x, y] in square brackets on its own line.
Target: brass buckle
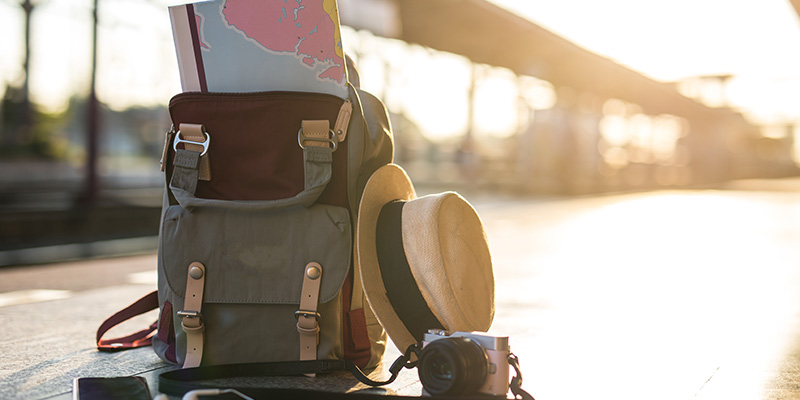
[306, 313]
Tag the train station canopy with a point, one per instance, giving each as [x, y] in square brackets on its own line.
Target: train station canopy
[489, 34]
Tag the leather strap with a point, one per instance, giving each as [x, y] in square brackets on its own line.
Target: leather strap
[316, 133]
[307, 315]
[139, 339]
[191, 318]
[343, 120]
[165, 151]
[196, 133]
[357, 298]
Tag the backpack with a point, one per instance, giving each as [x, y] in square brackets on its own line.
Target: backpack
[255, 257]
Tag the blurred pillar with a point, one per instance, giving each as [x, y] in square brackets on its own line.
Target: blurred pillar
[471, 104]
[89, 196]
[26, 115]
[27, 6]
[468, 157]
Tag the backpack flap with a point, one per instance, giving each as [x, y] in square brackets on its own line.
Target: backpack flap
[268, 157]
[261, 266]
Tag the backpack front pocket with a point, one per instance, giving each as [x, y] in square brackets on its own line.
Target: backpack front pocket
[255, 264]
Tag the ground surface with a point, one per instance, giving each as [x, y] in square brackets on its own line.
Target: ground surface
[691, 294]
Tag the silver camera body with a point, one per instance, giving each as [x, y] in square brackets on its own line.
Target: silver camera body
[464, 362]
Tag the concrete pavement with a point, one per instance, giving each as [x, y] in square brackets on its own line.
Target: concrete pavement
[663, 295]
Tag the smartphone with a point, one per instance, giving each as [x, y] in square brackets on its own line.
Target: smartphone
[116, 388]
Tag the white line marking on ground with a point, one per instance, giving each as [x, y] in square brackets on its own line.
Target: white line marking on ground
[143, 278]
[32, 296]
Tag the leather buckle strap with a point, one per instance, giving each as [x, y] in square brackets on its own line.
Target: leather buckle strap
[191, 318]
[317, 133]
[195, 138]
[165, 150]
[343, 120]
[307, 315]
[186, 142]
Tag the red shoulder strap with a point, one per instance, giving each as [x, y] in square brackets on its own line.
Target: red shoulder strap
[138, 339]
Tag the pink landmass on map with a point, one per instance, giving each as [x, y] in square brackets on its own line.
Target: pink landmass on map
[198, 20]
[301, 28]
[334, 73]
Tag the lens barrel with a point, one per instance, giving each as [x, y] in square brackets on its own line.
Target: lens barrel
[452, 366]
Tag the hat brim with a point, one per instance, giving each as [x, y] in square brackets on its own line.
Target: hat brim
[387, 184]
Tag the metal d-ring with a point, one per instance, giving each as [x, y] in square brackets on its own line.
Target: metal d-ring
[204, 144]
[332, 139]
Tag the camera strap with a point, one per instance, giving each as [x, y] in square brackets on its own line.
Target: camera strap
[404, 361]
[516, 381]
[179, 382]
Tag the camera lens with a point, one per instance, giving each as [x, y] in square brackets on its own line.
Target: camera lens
[452, 366]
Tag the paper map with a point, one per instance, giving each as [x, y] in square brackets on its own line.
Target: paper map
[260, 45]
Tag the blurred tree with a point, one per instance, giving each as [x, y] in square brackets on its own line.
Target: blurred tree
[17, 124]
[38, 137]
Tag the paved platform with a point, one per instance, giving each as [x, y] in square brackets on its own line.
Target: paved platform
[691, 294]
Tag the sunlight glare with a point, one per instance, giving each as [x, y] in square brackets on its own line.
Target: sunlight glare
[436, 92]
[496, 103]
[53, 25]
[688, 290]
[539, 94]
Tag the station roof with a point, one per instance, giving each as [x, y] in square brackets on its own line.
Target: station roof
[489, 34]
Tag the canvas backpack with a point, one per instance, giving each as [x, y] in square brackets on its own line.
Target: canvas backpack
[255, 258]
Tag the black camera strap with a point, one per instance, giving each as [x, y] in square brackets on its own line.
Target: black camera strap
[401, 362]
[179, 382]
[516, 381]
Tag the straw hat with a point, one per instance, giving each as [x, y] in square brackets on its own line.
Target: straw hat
[424, 262]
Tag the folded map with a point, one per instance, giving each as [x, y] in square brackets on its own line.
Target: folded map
[259, 45]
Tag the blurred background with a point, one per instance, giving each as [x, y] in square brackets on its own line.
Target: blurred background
[522, 98]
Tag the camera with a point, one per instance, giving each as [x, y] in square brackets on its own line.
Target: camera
[461, 363]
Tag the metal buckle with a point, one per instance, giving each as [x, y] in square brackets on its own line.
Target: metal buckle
[189, 314]
[204, 144]
[306, 313]
[333, 140]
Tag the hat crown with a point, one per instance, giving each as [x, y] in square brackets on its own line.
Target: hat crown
[448, 253]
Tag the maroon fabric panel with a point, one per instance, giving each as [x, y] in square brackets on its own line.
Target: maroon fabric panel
[166, 332]
[360, 336]
[253, 153]
[354, 325]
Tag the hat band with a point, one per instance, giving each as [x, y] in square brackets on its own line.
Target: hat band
[401, 288]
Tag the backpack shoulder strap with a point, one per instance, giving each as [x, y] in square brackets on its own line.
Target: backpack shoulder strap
[139, 339]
